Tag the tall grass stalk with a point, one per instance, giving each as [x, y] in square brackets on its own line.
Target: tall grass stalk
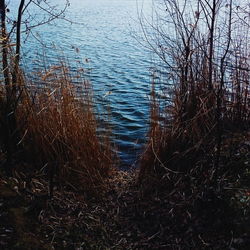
[58, 132]
[208, 65]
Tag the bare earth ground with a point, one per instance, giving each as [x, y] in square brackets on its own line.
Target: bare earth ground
[123, 217]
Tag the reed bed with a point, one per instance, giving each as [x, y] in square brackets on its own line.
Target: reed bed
[57, 131]
[209, 69]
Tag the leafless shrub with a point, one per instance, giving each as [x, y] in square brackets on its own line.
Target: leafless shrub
[208, 64]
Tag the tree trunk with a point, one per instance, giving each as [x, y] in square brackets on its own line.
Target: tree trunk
[16, 74]
[4, 45]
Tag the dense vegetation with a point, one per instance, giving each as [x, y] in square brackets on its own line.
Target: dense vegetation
[60, 187]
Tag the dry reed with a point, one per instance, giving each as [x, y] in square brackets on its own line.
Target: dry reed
[60, 132]
[211, 95]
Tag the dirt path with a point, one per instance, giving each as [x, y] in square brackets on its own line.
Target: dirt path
[122, 218]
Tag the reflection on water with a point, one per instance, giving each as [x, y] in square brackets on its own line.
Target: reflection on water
[118, 65]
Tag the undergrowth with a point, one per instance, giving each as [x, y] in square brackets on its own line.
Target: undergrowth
[58, 133]
[210, 96]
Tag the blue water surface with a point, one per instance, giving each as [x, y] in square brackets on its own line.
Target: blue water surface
[102, 37]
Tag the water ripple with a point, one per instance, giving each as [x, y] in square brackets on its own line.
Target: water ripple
[116, 63]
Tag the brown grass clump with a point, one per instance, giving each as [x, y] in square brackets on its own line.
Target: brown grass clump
[176, 146]
[60, 132]
[210, 74]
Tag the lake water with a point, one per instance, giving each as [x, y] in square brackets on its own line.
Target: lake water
[119, 67]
